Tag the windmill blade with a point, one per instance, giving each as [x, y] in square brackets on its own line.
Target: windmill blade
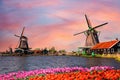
[22, 32]
[16, 35]
[99, 33]
[88, 22]
[99, 25]
[79, 33]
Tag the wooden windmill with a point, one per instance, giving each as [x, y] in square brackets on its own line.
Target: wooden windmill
[23, 43]
[92, 37]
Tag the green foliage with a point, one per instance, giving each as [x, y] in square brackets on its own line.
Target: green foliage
[78, 52]
[93, 54]
[83, 53]
[45, 51]
[52, 50]
[62, 51]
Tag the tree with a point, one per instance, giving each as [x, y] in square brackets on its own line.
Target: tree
[45, 51]
[52, 50]
[62, 51]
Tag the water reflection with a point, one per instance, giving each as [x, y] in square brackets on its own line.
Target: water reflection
[10, 64]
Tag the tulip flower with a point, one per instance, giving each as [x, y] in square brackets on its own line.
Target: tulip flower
[66, 73]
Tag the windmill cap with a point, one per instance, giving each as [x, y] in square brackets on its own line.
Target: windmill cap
[117, 39]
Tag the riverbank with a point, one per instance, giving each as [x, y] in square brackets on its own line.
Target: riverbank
[115, 56]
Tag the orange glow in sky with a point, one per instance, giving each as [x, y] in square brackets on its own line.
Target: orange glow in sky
[53, 23]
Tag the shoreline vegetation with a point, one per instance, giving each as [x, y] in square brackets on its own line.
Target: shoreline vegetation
[53, 52]
[116, 56]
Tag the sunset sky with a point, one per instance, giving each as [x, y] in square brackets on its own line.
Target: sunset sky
[53, 22]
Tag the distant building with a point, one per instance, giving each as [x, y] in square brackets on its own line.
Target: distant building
[107, 47]
[86, 49]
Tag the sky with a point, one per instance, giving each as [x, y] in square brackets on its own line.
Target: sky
[51, 23]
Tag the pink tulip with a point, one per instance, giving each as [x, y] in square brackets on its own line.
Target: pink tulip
[25, 74]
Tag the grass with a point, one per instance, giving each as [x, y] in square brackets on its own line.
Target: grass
[118, 59]
[115, 56]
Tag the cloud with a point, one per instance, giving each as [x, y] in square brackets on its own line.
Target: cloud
[28, 4]
[61, 20]
[51, 35]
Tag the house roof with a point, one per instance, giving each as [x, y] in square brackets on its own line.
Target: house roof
[105, 45]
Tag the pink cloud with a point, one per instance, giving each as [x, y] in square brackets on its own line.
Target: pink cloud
[60, 34]
[54, 35]
[31, 4]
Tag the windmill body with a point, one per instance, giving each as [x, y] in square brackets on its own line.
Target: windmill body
[23, 44]
[92, 37]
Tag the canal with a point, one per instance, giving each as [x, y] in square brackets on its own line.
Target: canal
[16, 63]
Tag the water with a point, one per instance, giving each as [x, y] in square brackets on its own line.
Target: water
[13, 64]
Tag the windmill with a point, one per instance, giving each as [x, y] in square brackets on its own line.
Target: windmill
[23, 43]
[92, 37]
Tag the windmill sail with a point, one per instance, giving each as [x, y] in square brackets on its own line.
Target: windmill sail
[16, 35]
[22, 32]
[88, 22]
[99, 25]
[91, 34]
[79, 33]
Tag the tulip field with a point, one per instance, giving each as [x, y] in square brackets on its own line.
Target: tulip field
[66, 73]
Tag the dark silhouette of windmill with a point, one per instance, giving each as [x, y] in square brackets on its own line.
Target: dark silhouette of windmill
[92, 37]
[23, 43]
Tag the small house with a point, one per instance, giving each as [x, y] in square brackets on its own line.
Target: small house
[84, 49]
[107, 47]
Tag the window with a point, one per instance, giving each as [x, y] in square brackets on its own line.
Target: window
[112, 50]
[108, 51]
[118, 50]
[118, 44]
[104, 50]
